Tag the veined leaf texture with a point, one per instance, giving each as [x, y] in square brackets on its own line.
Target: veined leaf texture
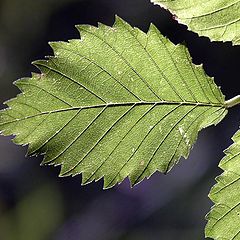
[116, 103]
[224, 218]
[217, 19]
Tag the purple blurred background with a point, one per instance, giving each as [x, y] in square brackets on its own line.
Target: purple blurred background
[37, 205]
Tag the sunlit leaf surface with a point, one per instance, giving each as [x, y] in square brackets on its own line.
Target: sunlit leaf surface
[116, 103]
[224, 218]
[217, 19]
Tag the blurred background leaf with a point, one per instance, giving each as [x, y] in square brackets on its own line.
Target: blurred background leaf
[35, 216]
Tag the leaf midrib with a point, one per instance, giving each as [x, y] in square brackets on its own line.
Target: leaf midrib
[107, 105]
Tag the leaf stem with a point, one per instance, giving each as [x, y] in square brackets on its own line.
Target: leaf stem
[232, 102]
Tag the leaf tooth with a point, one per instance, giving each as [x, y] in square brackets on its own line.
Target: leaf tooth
[119, 23]
[57, 46]
[94, 176]
[153, 28]
[83, 29]
[20, 82]
[39, 64]
[135, 181]
[107, 184]
[86, 180]
[101, 26]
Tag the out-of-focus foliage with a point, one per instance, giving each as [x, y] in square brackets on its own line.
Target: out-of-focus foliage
[34, 217]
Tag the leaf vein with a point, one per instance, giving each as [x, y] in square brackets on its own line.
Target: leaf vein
[76, 138]
[127, 63]
[160, 144]
[99, 140]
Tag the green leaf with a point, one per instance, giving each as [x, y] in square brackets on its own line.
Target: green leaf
[217, 19]
[116, 103]
[224, 218]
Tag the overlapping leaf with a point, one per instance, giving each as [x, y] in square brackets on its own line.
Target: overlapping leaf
[224, 218]
[116, 103]
[217, 19]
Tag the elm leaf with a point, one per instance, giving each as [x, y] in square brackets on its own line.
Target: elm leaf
[116, 103]
[217, 19]
[224, 218]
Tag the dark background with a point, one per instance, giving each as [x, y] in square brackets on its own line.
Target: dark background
[37, 205]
